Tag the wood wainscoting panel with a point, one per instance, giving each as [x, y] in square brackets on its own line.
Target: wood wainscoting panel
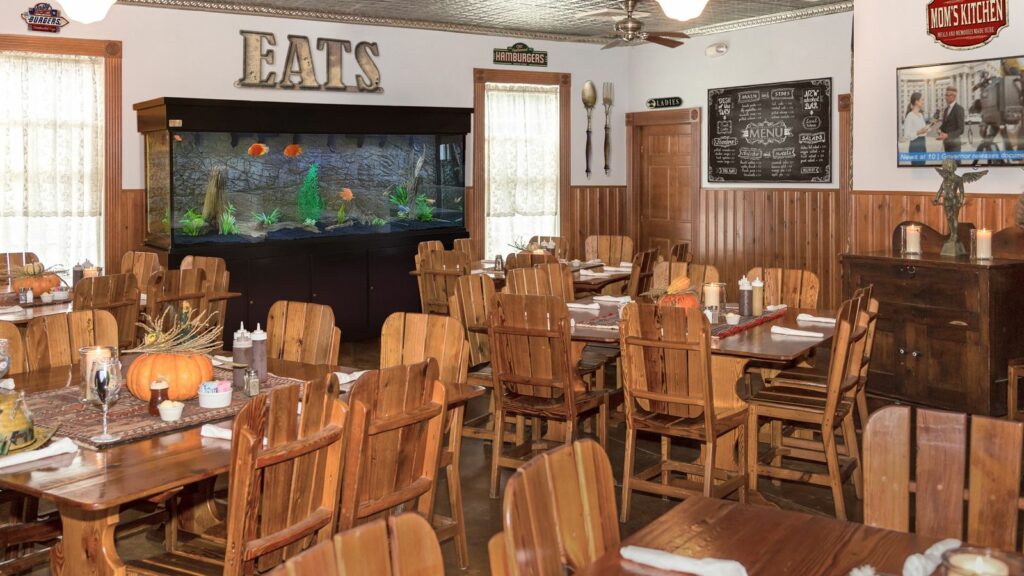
[596, 210]
[798, 228]
[126, 226]
[875, 214]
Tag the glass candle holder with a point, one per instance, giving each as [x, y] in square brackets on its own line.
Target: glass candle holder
[88, 357]
[971, 561]
[912, 239]
[981, 244]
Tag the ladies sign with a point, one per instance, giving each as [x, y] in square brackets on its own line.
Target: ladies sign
[963, 24]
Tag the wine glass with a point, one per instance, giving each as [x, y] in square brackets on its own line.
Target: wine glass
[5, 357]
[106, 381]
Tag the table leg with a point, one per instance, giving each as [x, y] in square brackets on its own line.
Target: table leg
[197, 510]
[88, 544]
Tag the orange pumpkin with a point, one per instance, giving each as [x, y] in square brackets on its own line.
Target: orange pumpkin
[680, 300]
[183, 373]
[39, 284]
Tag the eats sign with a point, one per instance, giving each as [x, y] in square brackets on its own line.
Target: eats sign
[963, 24]
[299, 67]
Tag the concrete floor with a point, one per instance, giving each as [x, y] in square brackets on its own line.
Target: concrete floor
[483, 515]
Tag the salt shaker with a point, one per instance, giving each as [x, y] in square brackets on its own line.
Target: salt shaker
[259, 352]
[30, 297]
[746, 297]
[252, 382]
[499, 263]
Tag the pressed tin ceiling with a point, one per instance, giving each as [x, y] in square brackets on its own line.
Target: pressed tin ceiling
[543, 19]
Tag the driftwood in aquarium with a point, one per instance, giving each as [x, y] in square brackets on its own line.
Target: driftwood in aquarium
[214, 201]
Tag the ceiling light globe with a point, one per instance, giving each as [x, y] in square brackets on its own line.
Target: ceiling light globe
[86, 11]
[683, 9]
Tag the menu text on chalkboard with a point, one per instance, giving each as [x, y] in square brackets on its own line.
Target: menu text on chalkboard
[771, 132]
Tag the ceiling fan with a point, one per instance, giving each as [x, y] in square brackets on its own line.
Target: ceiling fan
[629, 31]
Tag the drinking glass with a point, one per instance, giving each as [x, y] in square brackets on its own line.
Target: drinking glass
[5, 357]
[106, 381]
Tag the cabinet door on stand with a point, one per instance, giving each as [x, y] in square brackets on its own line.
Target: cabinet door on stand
[339, 281]
[391, 287]
[272, 279]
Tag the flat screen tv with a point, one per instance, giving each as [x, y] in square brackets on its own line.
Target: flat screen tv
[970, 111]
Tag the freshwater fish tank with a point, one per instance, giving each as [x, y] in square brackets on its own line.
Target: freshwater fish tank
[334, 175]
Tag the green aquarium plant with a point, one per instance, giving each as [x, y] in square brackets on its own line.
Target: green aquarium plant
[267, 220]
[192, 222]
[378, 222]
[424, 210]
[310, 202]
[228, 222]
[400, 199]
[166, 220]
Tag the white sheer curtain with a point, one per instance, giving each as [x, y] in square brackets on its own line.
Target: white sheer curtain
[51, 156]
[521, 148]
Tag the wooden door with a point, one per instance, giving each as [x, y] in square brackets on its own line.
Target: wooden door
[665, 175]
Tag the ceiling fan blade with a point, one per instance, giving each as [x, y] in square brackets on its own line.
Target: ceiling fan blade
[614, 44]
[663, 41]
[612, 14]
[671, 34]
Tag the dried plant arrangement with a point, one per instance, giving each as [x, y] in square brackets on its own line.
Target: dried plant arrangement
[189, 332]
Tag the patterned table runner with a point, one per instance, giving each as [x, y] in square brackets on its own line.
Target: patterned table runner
[129, 417]
[723, 330]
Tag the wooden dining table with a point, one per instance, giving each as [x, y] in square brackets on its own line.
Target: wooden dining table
[89, 487]
[581, 283]
[66, 306]
[766, 541]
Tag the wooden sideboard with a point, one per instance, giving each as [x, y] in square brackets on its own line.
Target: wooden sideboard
[947, 327]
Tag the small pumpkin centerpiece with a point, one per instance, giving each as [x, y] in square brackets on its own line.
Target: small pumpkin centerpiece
[176, 348]
[680, 294]
[35, 276]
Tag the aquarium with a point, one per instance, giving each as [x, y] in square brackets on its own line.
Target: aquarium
[228, 187]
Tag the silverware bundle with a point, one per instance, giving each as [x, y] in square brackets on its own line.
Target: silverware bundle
[608, 97]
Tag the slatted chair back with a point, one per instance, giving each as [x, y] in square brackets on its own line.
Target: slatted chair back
[465, 245]
[561, 244]
[641, 279]
[283, 495]
[217, 281]
[117, 294]
[528, 260]
[408, 338]
[15, 348]
[55, 340]
[172, 292]
[421, 251]
[302, 332]
[559, 514]
[793, 287]
[944, 454]
[395, 439]
[142, 265]
[440, 270]
[470, 306]
[403, 545]
[531, 346]
[11, 262]
[498, 556]
[666, 359]
[612, 250]
[543, 280]
[680, 252]
[846, 358]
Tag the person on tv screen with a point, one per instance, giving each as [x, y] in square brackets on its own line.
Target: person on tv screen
[953, 118]
[915, 128]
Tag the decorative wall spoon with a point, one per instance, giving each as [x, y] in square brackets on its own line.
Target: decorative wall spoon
[589, 101]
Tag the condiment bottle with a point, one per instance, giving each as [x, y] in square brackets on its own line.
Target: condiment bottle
[758, 289]
[76, 274]
[157, 394]
[241, 347]
[259, 353]
[746, 297]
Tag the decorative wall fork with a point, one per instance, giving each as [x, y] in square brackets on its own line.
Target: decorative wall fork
[608, 96]
[589, 101]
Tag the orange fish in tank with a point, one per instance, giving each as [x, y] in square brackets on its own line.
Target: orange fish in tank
[258, 149]
[346, 194]
[292, 150]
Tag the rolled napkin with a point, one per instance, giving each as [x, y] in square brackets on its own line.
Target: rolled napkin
[582, 306]
[56, 448]
[776, 307]
[627, 265]
[7, 384]
[11, 310]
[224, 359]
[925, 564]
[865, 570]
[618, 269]
[585, 273]
[347, 380]
[613, 299]
[675, 563]
[214, 431]
[783, 331]
[815, 319]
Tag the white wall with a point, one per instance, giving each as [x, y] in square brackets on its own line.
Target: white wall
[799, 50]
[893, 34]
[199, 55]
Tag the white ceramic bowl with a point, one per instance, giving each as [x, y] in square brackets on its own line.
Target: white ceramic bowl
[215, 400]
[170, 413]
[732, 319]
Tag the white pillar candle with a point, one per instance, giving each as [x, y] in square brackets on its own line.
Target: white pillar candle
[90, 272]
[913, 242]
[983, 248]
[978, 565]
[711, 295]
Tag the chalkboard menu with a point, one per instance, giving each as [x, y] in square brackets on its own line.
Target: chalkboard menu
[771, 132]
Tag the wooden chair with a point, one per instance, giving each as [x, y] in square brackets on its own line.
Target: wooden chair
[561, 244]
[498, 556]
[795, 288]
[217, 281]
[552, 279]
[666, 357]
[528, 260]
[394, 445]
[408, 338]
[174, 292]
[117, 294]
[699, 274]
[15, 261]
[15, 348]
[559, 511]
[142, 265]
[680, 252]
[398, 546]
[825, 413]
[612, 250]
[440, 270]
[55, 340]
[535, 376]
[421, 251]
[465, 245]
[1015, 371]
[302, 332]
[938, 451]
[641, 279]
[282, 496]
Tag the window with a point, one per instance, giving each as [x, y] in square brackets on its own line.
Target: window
[52, 156]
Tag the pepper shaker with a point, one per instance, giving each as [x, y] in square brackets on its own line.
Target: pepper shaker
[499, 263]
[252, 382]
